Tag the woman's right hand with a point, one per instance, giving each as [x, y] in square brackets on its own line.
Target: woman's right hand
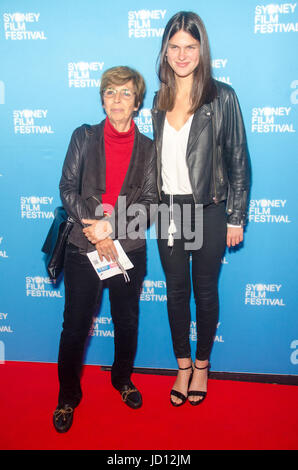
[106, 249]
[97, 229]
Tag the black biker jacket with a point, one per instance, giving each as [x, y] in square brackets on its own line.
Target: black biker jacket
[226, 176]
[83, 182]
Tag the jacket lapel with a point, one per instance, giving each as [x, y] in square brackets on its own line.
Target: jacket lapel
[200, 120]
[95, 163]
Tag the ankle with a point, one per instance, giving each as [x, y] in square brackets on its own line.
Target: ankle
[184, 363]
[201, 365]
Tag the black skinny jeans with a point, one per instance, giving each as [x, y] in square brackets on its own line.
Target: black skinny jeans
[205, 268]
[83, 292]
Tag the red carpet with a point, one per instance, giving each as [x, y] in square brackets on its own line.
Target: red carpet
[235, 415]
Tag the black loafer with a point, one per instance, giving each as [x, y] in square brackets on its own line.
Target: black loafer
[131, 396]
[62, 418]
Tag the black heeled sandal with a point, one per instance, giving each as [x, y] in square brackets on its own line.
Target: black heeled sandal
[198, 393]
[180, 395]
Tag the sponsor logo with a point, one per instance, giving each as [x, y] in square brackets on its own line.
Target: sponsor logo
[154, 291]
[294, 355]
[144, 121]
[218, 65]
[3, 253]
[32, 207]
[272, 119]
[38, 286]
[193, 333]
[145, 23]
[97, 328]
[5, 328]
[264, 294]
[31, 121]
[268, 210]
[84, 74]
[275, 18]
[22, 26]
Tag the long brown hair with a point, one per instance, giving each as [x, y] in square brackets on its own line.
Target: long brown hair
[203, 87]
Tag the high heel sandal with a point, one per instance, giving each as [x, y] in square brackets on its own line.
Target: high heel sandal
[198, 393]
[180, 395]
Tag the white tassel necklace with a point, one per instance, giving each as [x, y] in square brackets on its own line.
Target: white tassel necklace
[172, 227]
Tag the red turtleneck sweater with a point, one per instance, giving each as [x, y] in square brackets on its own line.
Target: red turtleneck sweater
[118, 150]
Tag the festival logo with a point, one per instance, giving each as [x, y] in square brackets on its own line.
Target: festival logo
[276, 18]
[144, 121]
[193, 333]
[154, 291]
[260, 294]
[219, 69]
[36, 207]
[146, 23]
[31, 121]
[4, 328]
[38, 286]
[102, 327]
[22, 26]
[268, 211]
[272, 120]
[84, 74]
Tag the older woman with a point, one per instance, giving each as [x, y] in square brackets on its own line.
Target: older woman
[108, 170]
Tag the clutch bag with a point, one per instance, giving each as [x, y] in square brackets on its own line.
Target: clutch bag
[55, 243]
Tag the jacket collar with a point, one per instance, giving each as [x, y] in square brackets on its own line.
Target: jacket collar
[201, 118]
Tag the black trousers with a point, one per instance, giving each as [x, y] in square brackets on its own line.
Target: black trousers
[202, 266]
[83, 292]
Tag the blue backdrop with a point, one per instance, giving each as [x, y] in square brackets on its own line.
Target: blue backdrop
[52, 58]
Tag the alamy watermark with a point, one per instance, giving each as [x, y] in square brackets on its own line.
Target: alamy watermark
[132, 221]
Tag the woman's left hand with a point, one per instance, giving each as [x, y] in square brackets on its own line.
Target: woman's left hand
[234, 236]
[106, 249]
[97, 230]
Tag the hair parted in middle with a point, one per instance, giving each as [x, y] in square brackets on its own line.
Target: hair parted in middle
[203, 87]
[120, 75]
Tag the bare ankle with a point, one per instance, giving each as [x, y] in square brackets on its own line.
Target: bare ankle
[184, 363]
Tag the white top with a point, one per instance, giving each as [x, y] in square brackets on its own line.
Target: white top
[174, 172]
[175, 176]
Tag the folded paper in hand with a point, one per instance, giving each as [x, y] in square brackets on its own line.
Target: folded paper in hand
[106, 269]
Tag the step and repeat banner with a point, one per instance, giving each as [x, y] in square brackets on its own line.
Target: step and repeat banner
[52, 58]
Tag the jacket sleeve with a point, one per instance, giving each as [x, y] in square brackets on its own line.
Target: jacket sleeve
[70, 181]
[237, 160]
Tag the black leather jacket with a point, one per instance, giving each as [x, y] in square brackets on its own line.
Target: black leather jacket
[83, 182]
[226, 176]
